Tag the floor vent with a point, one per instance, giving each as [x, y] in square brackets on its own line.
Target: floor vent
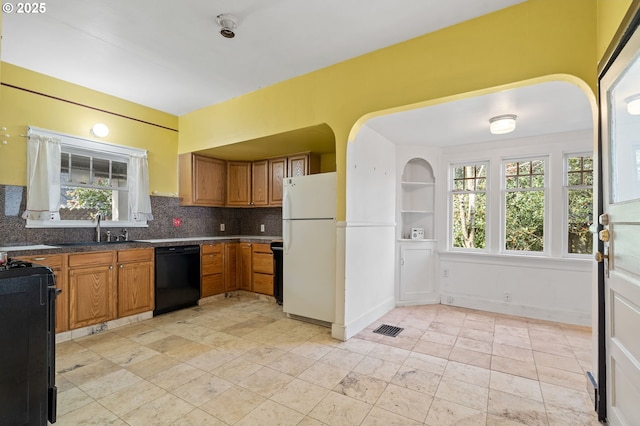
[388, 330]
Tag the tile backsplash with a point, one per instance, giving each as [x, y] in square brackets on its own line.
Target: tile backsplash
[194, 222]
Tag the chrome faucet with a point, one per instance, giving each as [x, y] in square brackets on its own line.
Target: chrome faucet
[98, 219]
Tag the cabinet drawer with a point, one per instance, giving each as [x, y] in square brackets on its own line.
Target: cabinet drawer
[263, 283]
[212, 264]
[263, 262]
[212, 284]
[135, 255]
[54, 261]
[261, 248]
[90, 259]
[211, 248]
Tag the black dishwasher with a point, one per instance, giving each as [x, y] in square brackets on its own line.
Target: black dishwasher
[177, 276]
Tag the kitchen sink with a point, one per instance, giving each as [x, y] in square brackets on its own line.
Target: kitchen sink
[90, 243]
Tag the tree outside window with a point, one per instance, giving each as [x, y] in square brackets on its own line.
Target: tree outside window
[524, 205]
[469, 206]
[579, 201]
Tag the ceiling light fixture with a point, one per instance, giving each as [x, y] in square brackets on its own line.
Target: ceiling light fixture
[228, 23]
[100, 130]
[502, 124]
[633, 104]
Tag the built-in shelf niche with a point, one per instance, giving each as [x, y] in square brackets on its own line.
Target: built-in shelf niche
[418, 194]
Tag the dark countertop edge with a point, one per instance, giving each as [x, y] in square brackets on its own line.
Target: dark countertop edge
[134, 245]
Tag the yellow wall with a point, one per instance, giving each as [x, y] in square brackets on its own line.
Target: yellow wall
[610, 14]
[531, 39]
[19, 108]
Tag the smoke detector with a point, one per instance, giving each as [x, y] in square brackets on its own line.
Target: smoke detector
[227, 23]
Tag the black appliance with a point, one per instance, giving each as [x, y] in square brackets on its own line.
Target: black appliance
[177, 275]
[28, 395]
[276, 248]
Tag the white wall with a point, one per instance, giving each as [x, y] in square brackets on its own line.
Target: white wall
[553, 286]
[368, 235]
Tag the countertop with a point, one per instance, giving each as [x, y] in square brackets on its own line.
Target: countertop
[38, 249]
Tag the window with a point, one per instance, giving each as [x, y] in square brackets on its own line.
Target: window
[469, 205]
[524, 205]
[579, 202]
[71, 180]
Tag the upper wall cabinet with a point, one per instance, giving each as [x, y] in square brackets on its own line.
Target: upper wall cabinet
[294, 165]
[247, 183]
[201, 180]
[418, 194]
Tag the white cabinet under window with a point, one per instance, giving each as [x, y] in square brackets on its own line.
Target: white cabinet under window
[417, 246]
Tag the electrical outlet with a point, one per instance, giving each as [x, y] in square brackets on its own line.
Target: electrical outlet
[262, 227]
[507, 297]
[222, 227]
[445, 272]
[449, 299]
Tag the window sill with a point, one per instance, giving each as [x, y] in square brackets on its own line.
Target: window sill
[83, 224]
[572, 263]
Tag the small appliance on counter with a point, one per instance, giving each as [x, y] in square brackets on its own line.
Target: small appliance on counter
[417, 233]
[27, 337]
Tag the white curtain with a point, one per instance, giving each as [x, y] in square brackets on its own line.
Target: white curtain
[43, 178]
[138, 178]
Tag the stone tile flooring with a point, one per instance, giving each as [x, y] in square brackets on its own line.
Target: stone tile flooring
[241, 361]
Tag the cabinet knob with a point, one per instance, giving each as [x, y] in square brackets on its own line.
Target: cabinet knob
[110, 267]
[121, 266]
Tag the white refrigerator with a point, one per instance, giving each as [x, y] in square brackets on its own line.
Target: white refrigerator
[309, 246]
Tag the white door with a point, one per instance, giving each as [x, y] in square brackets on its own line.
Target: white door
[620, 234]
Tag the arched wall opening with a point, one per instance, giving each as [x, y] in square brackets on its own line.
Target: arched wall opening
[556, 114]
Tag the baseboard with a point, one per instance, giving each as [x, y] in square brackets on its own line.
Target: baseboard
[346, 331]
[510, 308]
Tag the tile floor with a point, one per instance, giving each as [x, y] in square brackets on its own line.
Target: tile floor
[240, 361]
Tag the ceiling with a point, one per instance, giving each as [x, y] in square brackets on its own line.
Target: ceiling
[168, 55]
[543, 108]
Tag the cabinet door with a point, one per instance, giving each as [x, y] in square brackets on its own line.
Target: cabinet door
[212, 284]
[263, 283]
[244, 267]
[277, 172]
[238, 183]
[208, 181]
[298, 165]
[135, 288]
[91, 296]
[201, 180]
[230, 266]
[260, 183]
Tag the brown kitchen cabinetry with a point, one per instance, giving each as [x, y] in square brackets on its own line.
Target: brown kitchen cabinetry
[262, 268]
[244, 268]
[231, 280]
[303, 164]
[135, 281]
[248, 183]
[57, 263]
[277, 173]
[212, 269]
[201, 180]
[238, 183]
[92, 289]
[260, 183]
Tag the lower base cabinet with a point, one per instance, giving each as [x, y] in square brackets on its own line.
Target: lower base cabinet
[135, 281]
[92, 290]
[211, 269]
[262, 268]
[244, 269]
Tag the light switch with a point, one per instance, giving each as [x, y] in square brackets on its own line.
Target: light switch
[222, 227]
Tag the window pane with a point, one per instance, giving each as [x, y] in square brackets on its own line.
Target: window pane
[100, 172]
[85, 203]
[524, 229]
[458, 184]
[458, 172]
[482, 171]
[524, 168]
[524, 182]
[80, 166]
[481, 184]
[512, 183]
[119, 174]
[538, 167]
[538, 181]
[579, 220]
[469, 219]
[64, 168]
[575, 179]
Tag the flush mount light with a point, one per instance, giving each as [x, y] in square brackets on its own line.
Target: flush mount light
[633, 104]
[227, 23]
[502, 124]
[100, 130]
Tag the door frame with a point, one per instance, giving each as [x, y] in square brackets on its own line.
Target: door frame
[629, 24]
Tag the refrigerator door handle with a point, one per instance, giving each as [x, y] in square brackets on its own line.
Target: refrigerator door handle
[286, 235]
